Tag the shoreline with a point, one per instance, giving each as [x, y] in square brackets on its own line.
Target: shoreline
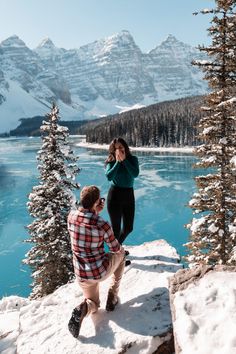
[187, 149]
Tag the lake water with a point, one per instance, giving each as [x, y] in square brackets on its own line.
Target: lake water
[162, 190]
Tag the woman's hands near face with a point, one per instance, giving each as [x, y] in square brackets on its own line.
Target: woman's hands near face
[123, 155]
[120, 152]
[120, 155]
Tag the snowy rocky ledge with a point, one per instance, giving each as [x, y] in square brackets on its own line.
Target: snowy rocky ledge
[185, 149]
[141, 323]
[203, 303]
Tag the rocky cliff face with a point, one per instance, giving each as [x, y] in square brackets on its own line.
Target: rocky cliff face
[3, 86]
[98, 78]
[24, 66]
[169, 64]
[111, 68]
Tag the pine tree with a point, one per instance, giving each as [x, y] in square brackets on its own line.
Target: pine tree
[50, 258]
[213, 234]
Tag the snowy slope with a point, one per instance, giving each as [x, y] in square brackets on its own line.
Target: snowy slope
[140, 323]
[18, 104]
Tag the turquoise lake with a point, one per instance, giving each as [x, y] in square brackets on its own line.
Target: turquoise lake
[162, 190]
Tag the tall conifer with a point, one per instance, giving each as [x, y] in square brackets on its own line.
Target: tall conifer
[213, 234]
[50, 257]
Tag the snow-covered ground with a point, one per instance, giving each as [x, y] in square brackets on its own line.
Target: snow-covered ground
[206, 315]
[140, 323]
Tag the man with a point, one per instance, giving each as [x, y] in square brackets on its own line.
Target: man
[88, 232]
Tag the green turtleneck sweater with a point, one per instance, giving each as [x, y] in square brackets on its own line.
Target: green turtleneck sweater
[122, 174]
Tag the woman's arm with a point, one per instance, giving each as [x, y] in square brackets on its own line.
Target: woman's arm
[111, 170]
[132, 167]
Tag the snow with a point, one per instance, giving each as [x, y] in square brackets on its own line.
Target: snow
[13, 108]
[40, 326]
[204, 313]
[186, 149]
[234, 254]
[196, 223]
[233, 161]
[208, 130]
[202, 62]
[227, 102]
[212, 228]
[223, 141]
[206, 322]
[20, 104]
[129, 108]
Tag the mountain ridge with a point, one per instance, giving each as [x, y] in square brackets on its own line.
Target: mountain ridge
[97, 79]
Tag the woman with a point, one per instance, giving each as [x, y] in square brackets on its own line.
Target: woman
[121, 169]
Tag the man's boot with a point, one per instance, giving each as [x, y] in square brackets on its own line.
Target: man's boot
[78, 314]
[112, 301]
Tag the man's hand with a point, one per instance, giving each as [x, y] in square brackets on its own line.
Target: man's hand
[99, 207]
[122, 250]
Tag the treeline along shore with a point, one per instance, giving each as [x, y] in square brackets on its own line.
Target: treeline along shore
[165, 124]
[31, 126]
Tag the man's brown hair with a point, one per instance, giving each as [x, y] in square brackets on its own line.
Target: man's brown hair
[88, 196]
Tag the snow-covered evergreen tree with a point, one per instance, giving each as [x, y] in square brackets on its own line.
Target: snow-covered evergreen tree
[213, 234]
[50, 258]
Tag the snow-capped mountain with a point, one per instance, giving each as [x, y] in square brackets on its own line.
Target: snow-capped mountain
[97, 79]
[169, 64]
[111, 68]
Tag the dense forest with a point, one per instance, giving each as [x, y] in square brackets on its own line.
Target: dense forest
[31, 126]
[170, 123]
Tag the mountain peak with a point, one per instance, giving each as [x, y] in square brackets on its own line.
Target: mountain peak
[13, 41]
[169, 44]
[171, 41]
[121, 39]
[171, 38]
[46, 43]
[123, 35]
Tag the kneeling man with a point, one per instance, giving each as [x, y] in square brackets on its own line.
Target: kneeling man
[88, 232]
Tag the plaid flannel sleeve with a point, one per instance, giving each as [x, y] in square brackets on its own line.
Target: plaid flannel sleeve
[110, 239]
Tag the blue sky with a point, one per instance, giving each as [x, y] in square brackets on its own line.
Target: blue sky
[72, 23]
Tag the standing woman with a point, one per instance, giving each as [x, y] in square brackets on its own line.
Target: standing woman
[121, 169]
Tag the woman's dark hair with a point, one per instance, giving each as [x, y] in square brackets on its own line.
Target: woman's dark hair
[112, 149]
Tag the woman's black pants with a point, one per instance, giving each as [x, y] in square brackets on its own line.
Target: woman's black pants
[121, 208]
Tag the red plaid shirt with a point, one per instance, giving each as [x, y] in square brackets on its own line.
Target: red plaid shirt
[88, 232]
